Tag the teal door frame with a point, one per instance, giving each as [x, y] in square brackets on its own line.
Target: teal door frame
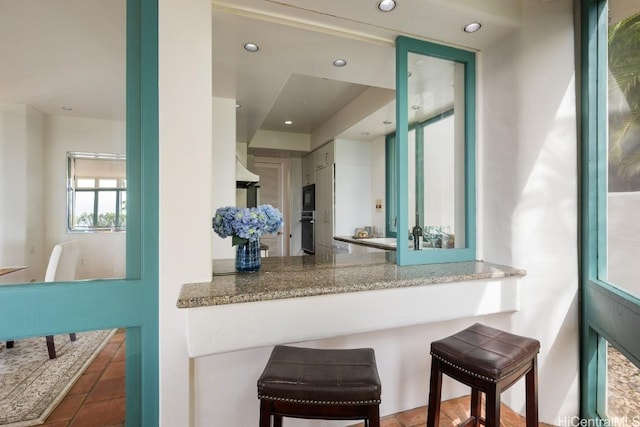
[405, 256]
[39, 309]
[608, 314]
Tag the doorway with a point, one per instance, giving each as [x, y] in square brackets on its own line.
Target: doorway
[274, 184]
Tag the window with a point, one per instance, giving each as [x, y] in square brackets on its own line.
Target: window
[610, 188]
[96, 192]
[432, 181]
[426, 139]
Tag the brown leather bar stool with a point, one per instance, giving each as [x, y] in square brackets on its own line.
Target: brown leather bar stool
[320, 384]
[490, 361]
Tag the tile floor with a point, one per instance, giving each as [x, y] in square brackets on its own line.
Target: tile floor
[98, 399]
[452, 413]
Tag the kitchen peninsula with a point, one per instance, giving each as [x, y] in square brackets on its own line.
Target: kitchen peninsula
[294, 299]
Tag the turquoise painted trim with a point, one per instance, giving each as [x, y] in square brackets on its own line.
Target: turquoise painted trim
[601, 375]
[608, 313]
[134, 393]
[38, 309]
[589, 116]
[402, 121]
[405, 256]
[143, 343]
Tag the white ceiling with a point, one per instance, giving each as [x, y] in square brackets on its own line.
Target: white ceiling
[292, 76]
[49, 47]
[64, 53]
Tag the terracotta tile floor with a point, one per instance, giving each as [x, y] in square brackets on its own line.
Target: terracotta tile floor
[97, 399]
[452, 413]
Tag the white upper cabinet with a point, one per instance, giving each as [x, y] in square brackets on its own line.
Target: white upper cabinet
[324, 156]
[308, 169]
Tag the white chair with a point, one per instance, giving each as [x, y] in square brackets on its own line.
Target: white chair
[62, 266]
[63, 262]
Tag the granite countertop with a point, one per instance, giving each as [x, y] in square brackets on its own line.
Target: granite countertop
[304, 276]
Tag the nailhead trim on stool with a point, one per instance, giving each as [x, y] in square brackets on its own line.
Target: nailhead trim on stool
[332, 384]
[489, 361]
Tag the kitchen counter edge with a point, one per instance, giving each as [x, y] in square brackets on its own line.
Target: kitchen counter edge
[306, 276]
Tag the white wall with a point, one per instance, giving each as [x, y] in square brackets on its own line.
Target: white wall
[102, 255]
[186, 188]
[35, 206]
[527, 218]
[22, 179]
[528, 195]
[295, 206]
[224, 168]
[378, 189]
[352, 187]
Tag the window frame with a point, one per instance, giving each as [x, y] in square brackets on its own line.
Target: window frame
[599, 297]
[405, 256]
[39, 309]
[73, 189]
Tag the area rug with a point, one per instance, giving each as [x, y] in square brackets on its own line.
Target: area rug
[32, 385]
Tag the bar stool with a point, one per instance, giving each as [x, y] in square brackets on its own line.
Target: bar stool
[320, 384]
[488, 360]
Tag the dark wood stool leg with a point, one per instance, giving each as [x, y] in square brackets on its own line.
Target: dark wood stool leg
[476, 406]
[51, 347]
[277, 421]
[374, 416]
[72, 336]
[435, 389]
[10, 344]
[265, 413]
[532, 394]
[492, 409]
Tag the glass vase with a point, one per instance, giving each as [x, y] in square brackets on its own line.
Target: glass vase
[248, 257]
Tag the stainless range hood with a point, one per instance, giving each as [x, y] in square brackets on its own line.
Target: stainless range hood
[244, 177]
[247, 184]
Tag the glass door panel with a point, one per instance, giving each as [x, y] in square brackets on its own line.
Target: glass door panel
[623, 165]
[623, 389]
[71, 82]
[435, 153]
[62, 90]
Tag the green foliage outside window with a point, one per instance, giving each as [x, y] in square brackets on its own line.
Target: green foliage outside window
[624, 105]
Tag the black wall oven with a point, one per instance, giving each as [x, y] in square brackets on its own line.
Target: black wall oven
[309, 197]
[307, 221]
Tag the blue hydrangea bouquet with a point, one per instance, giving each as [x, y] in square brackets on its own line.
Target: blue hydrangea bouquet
[246, 224]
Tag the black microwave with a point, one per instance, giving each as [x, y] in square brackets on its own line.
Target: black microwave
[309, 197]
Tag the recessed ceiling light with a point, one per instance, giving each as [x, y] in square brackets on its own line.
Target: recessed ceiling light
[288, 122]
[339, 63]
[416, 106]
[472, 27]
[251, 47]
[67, 108]
[387, 122]
[364, 133]
[386, 5]
[238, 105]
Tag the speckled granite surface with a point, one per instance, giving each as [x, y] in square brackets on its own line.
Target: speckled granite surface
[303, 276]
